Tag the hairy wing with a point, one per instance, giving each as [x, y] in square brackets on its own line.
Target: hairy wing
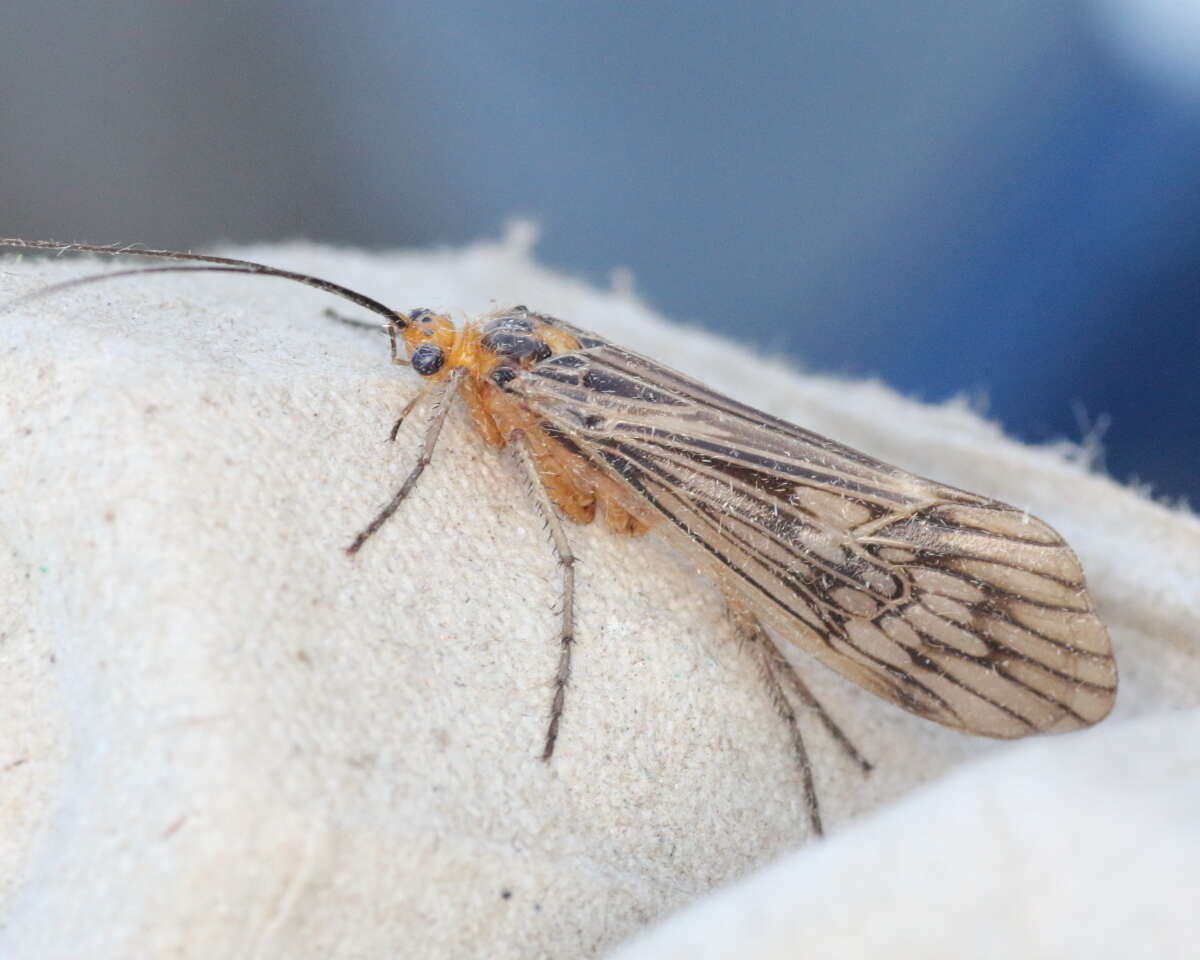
[954, 606]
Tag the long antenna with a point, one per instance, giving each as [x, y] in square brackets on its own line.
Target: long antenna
[221, 264]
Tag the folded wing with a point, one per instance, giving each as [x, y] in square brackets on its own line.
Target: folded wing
[954, 606]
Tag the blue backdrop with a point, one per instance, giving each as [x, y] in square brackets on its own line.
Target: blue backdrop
[1000, 199]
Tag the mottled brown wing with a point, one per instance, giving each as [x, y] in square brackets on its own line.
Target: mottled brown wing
[952, 605]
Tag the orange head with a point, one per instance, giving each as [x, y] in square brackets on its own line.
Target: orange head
[513, 338]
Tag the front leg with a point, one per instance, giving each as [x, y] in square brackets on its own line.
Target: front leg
[443, 395]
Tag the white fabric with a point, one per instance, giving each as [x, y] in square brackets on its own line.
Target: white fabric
[224, 738]
[1085, 848]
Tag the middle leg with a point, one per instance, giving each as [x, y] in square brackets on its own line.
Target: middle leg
[566, 560]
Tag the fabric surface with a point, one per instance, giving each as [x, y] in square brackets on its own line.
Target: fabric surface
[224, 737]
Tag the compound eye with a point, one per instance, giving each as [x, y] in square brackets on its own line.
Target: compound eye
[428, 359]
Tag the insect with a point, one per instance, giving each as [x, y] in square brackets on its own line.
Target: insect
[951, 605]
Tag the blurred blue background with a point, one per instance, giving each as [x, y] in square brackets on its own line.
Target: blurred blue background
[998, 199]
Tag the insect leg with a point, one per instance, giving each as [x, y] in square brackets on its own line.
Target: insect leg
[810, 700]
[389, 328]
[771, 663]
[441, 407]
[566, 560]
[354, 321]
[408, 408]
